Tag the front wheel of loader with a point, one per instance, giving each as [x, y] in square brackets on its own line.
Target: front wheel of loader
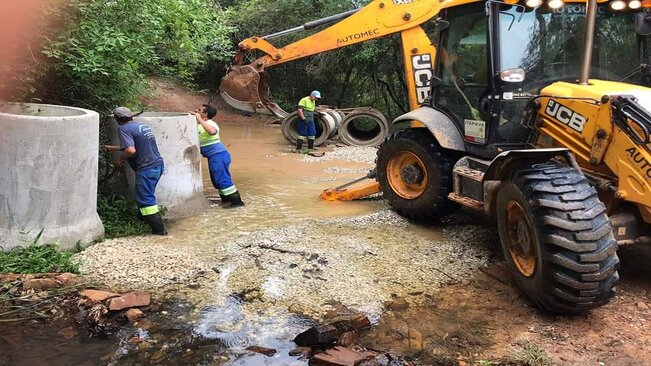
[557, 239]
[415, 175]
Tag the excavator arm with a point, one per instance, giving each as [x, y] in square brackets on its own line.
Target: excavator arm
[244, 87]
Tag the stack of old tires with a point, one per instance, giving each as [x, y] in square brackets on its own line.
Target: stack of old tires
[355, 127]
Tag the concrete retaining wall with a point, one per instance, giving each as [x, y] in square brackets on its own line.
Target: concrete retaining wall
[48, 174]
[180, 189]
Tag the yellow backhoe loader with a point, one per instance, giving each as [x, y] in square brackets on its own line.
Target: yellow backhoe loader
[529, 111]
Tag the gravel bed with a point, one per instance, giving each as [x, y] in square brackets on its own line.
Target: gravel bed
[337, 169]
[347, 153]
[306, 266]
[137, 263]
[318, 180]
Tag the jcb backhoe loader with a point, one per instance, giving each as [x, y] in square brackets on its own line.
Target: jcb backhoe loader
[514, 126]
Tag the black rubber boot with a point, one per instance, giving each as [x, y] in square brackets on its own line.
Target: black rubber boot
[310, 145]
[155, 221]
[225, 199]
[235, 200]
[299, 145]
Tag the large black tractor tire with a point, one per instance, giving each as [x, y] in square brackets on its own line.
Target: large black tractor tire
[415, 175]
[557, 239]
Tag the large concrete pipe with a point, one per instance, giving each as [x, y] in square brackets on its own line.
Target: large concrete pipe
[364, 127]
[180, 189]
[326, 122]
[49, 174]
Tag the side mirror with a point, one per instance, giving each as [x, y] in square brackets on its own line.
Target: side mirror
[642, 24]
[512, 75]
[441, 24]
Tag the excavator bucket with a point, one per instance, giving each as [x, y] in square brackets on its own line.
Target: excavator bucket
[245, 89]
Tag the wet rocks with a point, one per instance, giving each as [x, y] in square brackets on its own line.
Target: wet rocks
[303, 352]
[133, 315]
[129, 300]
[262, 350]
[320, 335]
[340, 356]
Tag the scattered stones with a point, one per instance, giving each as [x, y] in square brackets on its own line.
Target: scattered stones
[318, 336]
[9, 277]
[68, 279]
[340, 356]
[41, 284]
[129, 300]
[346, 153]
[642, 306]
[96, 295]
[133, 315]
[68, 333]
[263, 350]
[347, 339]
[398, 304]
[301, 351]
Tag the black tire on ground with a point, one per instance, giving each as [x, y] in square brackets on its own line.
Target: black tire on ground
[433, 203]
[575, 261]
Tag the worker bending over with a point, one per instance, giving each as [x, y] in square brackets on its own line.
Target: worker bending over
[139, 149]
[306, 127]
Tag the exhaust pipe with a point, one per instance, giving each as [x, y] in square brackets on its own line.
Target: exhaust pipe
[590, 20]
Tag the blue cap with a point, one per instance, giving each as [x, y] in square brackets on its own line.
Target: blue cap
[316, 93]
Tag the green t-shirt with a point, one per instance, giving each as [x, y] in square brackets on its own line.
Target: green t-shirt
[307, 104]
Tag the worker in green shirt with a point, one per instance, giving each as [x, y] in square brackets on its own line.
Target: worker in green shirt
[305, 125]
[218, 157]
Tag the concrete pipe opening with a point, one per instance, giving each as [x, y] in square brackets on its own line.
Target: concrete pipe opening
[364, 128]
[180, 189]
[49, 180]
[325, 124]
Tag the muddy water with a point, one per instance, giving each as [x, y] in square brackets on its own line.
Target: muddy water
[279, 264]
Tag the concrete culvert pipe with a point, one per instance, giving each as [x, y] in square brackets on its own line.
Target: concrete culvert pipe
[364, 128]
[49, 175]
[326, 122]
[180, 189]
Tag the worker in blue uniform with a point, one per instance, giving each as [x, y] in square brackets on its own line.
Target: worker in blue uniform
[219, 159]
[139, 149]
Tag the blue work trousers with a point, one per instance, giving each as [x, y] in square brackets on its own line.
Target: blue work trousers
[146, 181]
[220, 176]
[306, 128]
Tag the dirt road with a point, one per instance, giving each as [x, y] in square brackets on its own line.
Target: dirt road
[440, 294]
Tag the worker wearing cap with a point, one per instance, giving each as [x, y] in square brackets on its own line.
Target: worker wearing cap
[139, 149]
[305, 125]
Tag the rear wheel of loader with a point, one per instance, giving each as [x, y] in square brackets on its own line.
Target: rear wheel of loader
[557, 239]
[415, 176]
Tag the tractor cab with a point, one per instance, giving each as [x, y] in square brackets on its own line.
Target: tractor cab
[494, 56]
